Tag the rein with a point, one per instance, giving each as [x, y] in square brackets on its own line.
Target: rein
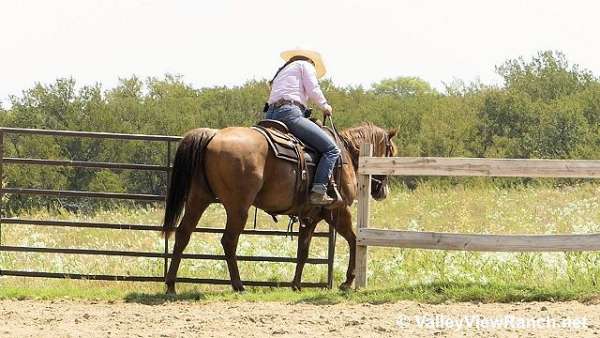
[335, 132]
[339, 172]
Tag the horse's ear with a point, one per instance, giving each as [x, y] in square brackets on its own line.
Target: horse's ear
[392, 133]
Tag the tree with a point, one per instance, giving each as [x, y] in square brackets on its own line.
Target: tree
[547, 108]
[402, 86]
[547, 76]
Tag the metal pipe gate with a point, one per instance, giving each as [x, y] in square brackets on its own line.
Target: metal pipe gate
[165, 169]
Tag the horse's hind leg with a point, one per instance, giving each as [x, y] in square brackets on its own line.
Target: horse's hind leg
[193, 211]
[236, 220]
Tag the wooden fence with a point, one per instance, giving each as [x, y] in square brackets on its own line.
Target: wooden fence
[164, 168]
[419, 166]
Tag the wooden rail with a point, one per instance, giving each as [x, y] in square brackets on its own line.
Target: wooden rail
[435, 166]
[474, 242]
[432, 166]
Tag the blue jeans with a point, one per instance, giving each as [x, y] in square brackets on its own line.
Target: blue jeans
[314, 136]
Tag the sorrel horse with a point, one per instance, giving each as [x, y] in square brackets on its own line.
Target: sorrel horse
[236, 167]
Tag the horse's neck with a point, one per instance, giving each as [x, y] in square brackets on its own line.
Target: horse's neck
[354, 156]
[354, 151]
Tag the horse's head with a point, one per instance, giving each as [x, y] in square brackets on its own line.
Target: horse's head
[383, 146]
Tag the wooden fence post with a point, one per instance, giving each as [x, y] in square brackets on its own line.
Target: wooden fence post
[364, 195]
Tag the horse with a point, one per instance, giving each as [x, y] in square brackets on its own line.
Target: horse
[236, 167]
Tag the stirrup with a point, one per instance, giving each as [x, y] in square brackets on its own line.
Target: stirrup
[338, 201]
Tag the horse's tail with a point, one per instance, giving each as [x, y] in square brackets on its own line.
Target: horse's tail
[186, 166]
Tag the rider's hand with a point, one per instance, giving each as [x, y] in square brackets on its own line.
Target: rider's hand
[327, 111]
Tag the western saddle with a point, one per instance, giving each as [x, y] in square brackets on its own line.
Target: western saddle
[288, 147]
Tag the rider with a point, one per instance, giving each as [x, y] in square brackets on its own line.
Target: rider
[292, 86]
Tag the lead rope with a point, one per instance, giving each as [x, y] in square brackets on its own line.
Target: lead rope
[339, 176]
[339, 143]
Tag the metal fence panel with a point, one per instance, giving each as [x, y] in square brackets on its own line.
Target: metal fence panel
[166, 167]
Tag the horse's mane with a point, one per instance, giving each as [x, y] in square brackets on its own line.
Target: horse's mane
[365, 133]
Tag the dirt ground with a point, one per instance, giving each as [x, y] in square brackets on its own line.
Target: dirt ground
[28, 318]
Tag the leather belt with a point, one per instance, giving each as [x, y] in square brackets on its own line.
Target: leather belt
[283, 102]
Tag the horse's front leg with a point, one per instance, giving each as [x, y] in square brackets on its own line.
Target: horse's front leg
[341, 219]
[306, 233]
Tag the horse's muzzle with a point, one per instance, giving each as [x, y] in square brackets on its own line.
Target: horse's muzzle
[380, 192]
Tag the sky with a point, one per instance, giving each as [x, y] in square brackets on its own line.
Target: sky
[228, 42]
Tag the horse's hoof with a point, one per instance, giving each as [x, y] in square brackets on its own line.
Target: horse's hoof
[238, 288]
[296, 287]
[345, 286]
[171, 290]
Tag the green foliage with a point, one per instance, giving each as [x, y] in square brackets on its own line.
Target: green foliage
[547, 76]
[547, 108]
[403, 86]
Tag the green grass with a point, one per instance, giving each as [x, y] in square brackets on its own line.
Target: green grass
[394, 274]
[429, 293]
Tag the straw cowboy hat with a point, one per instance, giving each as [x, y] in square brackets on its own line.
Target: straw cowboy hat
[311, 54]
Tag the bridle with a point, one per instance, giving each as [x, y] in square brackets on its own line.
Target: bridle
[381, 181]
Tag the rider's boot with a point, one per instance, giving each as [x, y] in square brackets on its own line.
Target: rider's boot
[320, 198]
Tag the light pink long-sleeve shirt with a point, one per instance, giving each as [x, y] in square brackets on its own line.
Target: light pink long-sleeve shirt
[298, 82]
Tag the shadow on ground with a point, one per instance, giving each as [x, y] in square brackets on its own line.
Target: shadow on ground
[161, 298]
[432, 293]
